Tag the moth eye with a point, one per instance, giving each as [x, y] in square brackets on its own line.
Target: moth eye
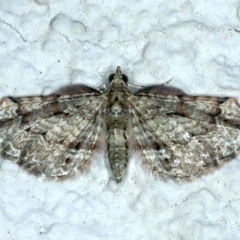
[125, 78]
[110, 78]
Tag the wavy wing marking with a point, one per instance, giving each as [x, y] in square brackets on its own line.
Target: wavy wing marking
[54, 136]
[183, 136]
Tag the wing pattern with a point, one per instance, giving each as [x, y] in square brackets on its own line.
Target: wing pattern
[54, 136]
[183, 136]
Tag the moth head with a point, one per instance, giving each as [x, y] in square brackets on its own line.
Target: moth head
[118, 75]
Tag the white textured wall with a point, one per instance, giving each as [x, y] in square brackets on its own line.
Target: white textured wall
[45, 44]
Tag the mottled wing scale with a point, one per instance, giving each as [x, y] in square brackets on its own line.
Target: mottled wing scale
[183, 136]
[177, 136]
[56, 135]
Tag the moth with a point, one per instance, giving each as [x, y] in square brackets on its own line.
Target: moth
[176, 135]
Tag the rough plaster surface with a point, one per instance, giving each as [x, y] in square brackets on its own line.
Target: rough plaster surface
[48, 44]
